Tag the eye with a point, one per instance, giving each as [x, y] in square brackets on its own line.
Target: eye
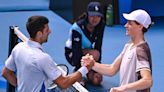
[130, 22]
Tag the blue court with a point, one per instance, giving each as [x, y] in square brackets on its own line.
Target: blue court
[113, 42]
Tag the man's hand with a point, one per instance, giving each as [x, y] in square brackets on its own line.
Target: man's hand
[87, 61]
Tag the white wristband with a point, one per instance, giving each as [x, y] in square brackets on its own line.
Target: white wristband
[83, 70]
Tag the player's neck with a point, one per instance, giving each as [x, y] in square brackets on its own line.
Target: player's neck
[36, 40]
[136, 40]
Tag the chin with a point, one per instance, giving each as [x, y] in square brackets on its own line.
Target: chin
[45, 41]
[94, 24]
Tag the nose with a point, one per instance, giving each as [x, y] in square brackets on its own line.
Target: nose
[49, 31]
[126, 25]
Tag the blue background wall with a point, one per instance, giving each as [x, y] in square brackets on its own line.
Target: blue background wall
[154, 7]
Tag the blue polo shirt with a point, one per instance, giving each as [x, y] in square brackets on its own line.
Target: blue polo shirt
[32, 66]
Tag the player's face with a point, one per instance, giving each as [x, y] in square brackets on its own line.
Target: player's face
[132, 28]
[94, 20]
[46, 31]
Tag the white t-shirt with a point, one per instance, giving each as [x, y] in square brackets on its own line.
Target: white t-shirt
[134, 60]
[32, 66]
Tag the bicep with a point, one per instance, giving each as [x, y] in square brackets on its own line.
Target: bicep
[145, 74]
[146, 77]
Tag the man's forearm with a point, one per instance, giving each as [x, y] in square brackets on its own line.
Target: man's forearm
[105, 69]
[9, 76]
[66, 81]
[143, 83]
[12, 81]
[139, 85]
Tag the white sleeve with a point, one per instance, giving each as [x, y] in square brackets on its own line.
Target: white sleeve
[10, 63]
[49, 68]
[143, 60]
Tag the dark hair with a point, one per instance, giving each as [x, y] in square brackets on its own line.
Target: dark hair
[35, 24]
[82, 16]
[144, 29]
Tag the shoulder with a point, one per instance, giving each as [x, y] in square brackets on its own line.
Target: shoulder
[44, 57]
[127, 44]
[143, 51]
[81, 21]
[143, 46]
[44, 60]
[19, 46]
[77, 27]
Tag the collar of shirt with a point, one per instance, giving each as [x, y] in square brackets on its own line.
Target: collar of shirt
[34, 44]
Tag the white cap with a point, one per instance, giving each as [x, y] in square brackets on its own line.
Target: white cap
[140, 16]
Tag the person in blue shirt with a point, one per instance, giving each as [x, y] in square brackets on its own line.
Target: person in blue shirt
[86, 36]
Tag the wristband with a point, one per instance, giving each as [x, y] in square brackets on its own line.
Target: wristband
[83, 70]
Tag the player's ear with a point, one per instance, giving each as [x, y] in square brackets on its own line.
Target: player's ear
[39, 33]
